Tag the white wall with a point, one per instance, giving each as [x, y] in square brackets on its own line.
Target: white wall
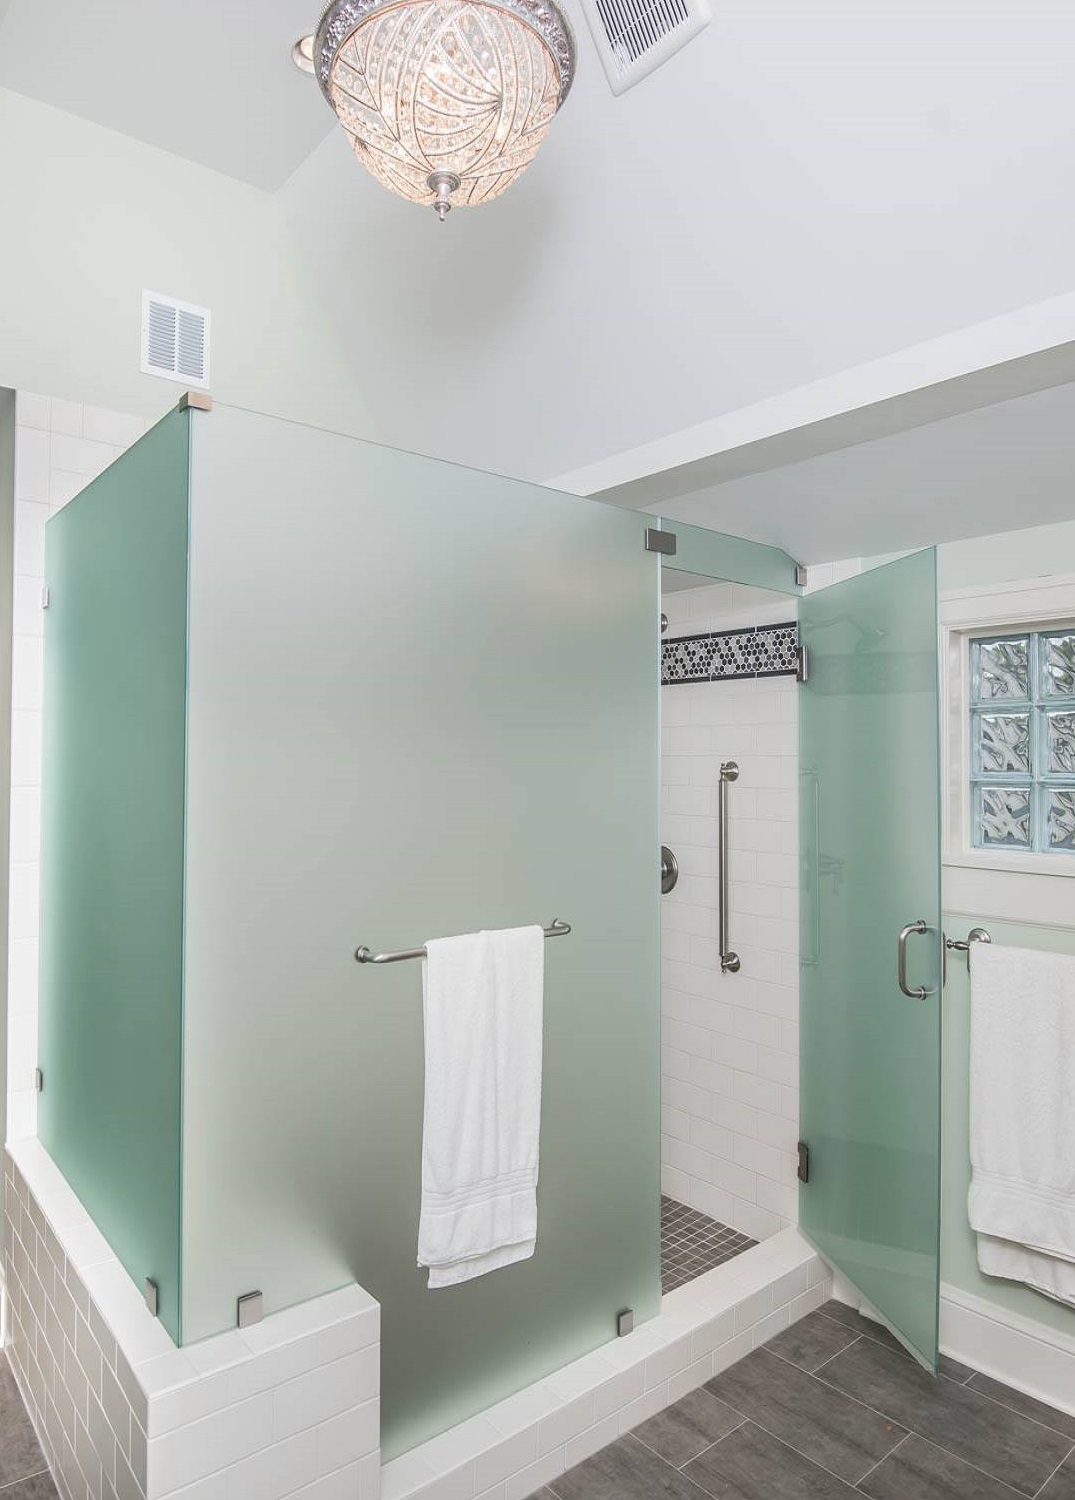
[90, 218]
[59, 447]
[730, 1057]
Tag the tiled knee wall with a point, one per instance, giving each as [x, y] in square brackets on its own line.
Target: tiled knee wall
[730, 1057]
[285, 1410]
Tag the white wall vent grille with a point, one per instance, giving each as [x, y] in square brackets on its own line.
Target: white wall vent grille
[635, 36]
[175, 340]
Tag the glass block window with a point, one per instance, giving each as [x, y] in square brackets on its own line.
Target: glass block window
[1022, 734]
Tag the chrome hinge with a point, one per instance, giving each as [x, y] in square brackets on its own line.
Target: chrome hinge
[625, 1322]
[660, 541]
[45, 597]
[39, 1080]
[802, 665]
[152, 1295]
[800, 575]
[802, 1172]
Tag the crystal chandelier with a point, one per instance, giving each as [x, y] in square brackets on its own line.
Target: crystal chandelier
[445, 101]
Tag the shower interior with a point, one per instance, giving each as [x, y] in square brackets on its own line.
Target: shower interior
[730, 1041]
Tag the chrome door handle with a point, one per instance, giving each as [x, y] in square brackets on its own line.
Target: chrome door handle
[669, 870]
[919, 992]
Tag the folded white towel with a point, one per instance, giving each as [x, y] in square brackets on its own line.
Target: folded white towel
[483, 1001]
[1022, 1128]
[1045, 1273]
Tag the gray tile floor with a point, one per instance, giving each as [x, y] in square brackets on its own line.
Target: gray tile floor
[833, 1408]
[23, 1472]
[692, 1244]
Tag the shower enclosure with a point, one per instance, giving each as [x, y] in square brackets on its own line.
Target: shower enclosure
[303, 695]
[869, 972]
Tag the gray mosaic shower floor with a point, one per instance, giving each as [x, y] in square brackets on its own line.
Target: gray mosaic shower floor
[692, 1244]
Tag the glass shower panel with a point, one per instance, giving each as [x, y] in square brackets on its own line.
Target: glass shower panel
[112, 851]
[423, 701]
[870, 813]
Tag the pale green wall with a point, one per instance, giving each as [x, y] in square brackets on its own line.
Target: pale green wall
[7, 515]
[90, 217]
[1034, 553]
[978, 563]
[959, 1264]
[1004, 557]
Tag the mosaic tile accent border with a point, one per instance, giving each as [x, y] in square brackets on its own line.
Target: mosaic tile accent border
[723, 655]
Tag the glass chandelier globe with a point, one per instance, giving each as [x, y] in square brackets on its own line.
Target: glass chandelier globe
[445, 102]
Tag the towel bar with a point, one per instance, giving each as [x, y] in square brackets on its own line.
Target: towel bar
[363, 955]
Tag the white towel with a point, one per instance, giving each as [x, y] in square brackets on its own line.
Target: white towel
[483, 1001]
[1022, 1128]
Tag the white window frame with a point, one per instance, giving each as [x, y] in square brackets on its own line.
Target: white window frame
[1030, 604]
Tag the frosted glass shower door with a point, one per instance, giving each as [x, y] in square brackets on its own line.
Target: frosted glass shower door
[422, 701]
[870, 837]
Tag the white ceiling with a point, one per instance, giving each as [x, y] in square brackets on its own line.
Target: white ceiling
[211, 80]
[802, 189]
[997, 469]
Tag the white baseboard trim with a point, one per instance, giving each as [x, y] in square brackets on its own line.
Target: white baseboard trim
[1032, 1358]
[1028, 1356]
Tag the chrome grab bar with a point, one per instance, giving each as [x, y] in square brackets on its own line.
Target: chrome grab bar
[363, 955]
[919, 992]
[729, 771]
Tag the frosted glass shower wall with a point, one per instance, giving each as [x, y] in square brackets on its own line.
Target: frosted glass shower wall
[305, 693]
[730, 1055]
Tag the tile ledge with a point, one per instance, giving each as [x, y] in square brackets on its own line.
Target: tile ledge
[130, 1323]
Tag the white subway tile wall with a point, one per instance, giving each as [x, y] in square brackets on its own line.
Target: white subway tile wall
[515, 1448]
[730, 1054]
[59, 447]
[288, 1409]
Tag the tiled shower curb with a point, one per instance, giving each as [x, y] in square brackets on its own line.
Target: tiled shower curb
[512, 1449]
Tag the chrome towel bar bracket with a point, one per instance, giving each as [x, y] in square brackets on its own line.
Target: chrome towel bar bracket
[975, 935]
[365, 955]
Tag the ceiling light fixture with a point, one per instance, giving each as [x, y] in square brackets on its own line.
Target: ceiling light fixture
[445, 102]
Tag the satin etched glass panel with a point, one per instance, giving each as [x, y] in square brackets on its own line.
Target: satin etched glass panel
[413, 749]
[1022, 741]
[870, 863]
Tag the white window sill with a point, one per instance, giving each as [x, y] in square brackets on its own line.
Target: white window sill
[1056, 866]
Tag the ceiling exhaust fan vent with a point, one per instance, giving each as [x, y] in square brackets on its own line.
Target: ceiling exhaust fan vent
[175, 340]
[633, 37]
